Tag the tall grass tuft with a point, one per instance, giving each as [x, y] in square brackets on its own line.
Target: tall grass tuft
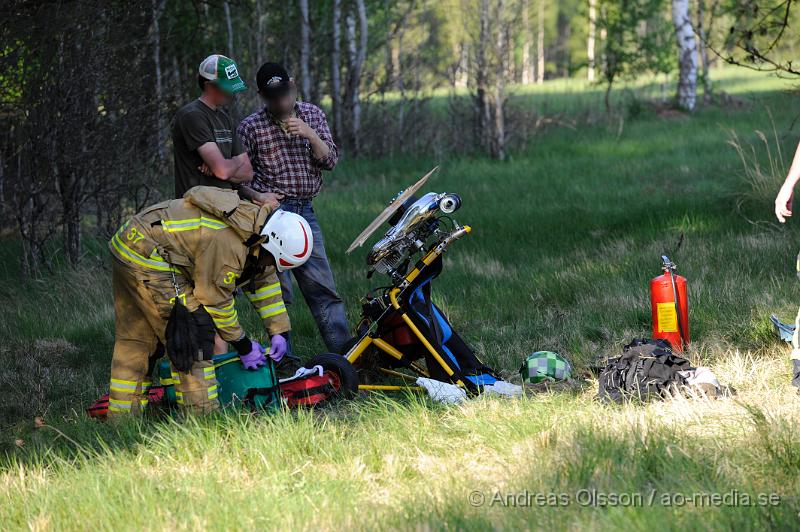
[763, 164]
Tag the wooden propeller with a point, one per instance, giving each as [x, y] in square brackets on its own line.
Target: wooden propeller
[389, 211]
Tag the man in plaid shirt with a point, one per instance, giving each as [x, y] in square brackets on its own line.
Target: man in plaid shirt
[290, 144]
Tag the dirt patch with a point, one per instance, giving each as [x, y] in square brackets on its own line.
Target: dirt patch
[668, 113]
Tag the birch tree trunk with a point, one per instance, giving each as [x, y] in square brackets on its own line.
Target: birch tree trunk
[357, 53]
[499, 127]
[350, 49]
[388, 82]
[527, 63]
[701, 33]
[260, 41]
[305, 50]
[603, 38]
[481, 78]
[158, 9]
[687, 55]
[400, 116]
[540, 45]
[352, 58]
[336, 80]
[463, 70]
[590, 39]
[234, 106]
[362, 56]
[31, 250]
[229, 24]
[396, 65]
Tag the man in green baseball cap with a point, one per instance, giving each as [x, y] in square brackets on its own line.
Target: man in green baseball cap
[207, 149]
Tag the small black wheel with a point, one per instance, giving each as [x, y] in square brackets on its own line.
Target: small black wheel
[344, 377]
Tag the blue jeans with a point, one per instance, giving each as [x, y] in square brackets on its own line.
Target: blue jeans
[315, 280]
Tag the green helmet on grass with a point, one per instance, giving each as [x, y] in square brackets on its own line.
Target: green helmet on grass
[545, 366]
[223, 72]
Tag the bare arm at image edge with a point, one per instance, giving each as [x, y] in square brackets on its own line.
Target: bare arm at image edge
[783, 203]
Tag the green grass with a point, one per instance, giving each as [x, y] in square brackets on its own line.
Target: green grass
[567, 234]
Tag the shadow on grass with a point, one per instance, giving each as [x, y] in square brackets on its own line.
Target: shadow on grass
[80, 439]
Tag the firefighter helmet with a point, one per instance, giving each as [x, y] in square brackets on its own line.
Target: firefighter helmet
[288, 239]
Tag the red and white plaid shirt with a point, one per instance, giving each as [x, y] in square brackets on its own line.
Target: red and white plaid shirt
[283, 163]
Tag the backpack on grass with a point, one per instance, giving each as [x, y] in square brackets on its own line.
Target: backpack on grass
[646, 369]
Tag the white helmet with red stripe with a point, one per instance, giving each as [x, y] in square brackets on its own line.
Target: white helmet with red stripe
[288, 238]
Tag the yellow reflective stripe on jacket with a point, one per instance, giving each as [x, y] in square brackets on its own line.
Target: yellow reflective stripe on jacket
[272, 310]
[224, 316]
[264, 292]
[190, 224]
[226, 323]
[222, 312]
[136, 258]
[209, 373]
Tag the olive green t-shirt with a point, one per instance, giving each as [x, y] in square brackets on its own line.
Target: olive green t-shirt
[195, 124]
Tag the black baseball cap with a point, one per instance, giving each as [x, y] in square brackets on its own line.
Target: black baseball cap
[273, 81]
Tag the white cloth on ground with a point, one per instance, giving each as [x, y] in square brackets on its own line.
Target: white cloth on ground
[506, 389]
[442, 392]
[700, 375]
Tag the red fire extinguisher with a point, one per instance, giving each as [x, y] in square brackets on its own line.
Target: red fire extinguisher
[670, 306]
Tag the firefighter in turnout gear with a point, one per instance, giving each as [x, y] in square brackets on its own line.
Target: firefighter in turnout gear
[197, 251]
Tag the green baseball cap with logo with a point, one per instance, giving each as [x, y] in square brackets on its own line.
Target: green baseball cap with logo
[223, 72]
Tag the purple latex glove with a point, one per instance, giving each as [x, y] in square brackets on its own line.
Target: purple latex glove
[278, 347]
[255, 358]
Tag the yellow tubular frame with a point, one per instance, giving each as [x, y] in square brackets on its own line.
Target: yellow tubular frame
[388, 387]
[390, 350]
[435, 354]
[359, 349]
[387, 348]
